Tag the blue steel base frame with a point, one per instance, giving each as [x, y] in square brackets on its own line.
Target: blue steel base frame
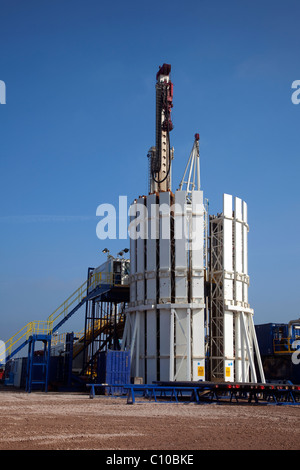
[152, 391]
[33, 363]
[205, 392]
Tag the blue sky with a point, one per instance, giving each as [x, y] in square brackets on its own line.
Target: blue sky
[79, 120]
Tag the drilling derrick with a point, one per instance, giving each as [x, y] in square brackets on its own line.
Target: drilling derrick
[161, 155]
[164, 329]
[188, 317]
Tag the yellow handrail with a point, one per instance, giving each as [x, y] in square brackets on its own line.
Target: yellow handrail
[33, 327]
[61, 338]
[46, 327]
[283, 346]
[94, 330]
[80, 293]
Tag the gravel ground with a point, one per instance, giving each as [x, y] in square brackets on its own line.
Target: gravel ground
[70, 421]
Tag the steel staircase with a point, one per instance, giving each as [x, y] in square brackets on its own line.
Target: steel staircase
[95, 285]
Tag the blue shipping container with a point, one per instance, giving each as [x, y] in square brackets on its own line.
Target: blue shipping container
[114, 369]
[266, 334]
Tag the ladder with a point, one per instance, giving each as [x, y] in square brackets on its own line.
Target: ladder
[38, 365]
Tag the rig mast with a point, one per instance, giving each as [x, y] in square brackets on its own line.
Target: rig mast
[161, 155]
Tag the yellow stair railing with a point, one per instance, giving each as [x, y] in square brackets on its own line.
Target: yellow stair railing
[33, 327]
[92, 332]
[46, 327]
[61, 338]
[283, 346]
[64, 309]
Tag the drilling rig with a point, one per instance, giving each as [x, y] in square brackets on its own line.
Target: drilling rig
[188, 318]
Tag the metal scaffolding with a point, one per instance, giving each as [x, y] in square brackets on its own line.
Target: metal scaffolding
[233, 343]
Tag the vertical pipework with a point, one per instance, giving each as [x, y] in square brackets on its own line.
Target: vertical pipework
[160, 163]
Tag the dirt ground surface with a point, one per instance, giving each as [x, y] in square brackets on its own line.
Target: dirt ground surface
[73, 421]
